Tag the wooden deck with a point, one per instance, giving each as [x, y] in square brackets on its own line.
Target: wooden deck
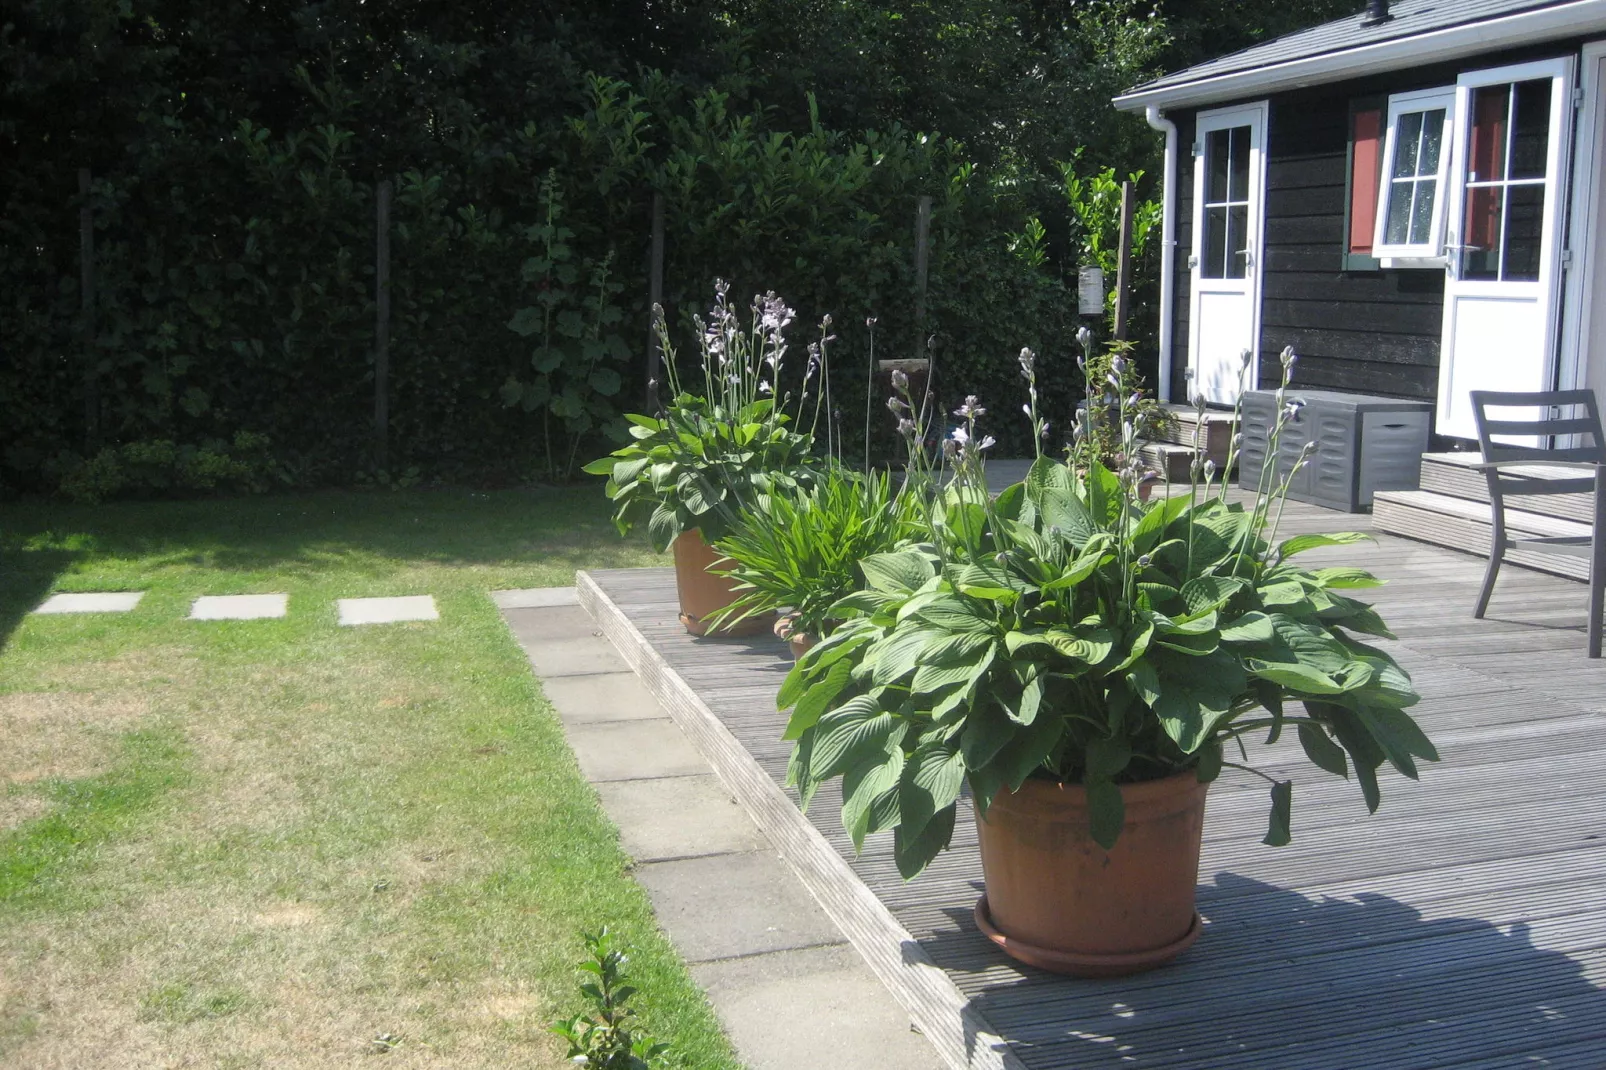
[1463, 925]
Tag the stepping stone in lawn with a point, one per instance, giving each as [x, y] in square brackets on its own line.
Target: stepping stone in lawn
[239, 606]
[110, 602]
[388, 610]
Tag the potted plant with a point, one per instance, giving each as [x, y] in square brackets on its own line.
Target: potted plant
[1116, 395]
[1082, 661]
[798, 550]
[690, 471]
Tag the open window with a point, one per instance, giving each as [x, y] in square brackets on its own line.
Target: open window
[1416, 161]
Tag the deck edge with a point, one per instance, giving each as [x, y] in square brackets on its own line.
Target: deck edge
[958, 1032]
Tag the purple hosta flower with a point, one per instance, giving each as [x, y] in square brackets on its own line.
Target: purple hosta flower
[987, 442]
[971, 408]
[1289, 357]
[1084, 338]
[960, 437]
[1209, 469]
[1028, 361]
[814, 361]
[1291, 410]
[825, 322]
[1143, 562]
[1238, 440]
[1081, 362]
[1027, 409]
[1118, 364]
[906, 427]
[897, 405]
[765, 388]
[1115, 381]
[1045, 430]
[900, 381]
[1245, 356]
[869, 321]
[774, 315]
[1132, 402]
[721, 288]
[950, 447]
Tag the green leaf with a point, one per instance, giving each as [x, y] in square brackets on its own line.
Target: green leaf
[1090, 649]
[1205, 594]
[897, 573]
[1107, 757]
[1106, 812]
[1031, 701]
[930, 678]
[1210, 761]
[898, 655]
[987, 730]
[914, 851]
[853, 734]
[1400, 737]
[815, 701]
[1322, 751]
[955, 614]
[862, 786]
[1300, 543]
[1252, 627]
[1282, 803]
[1345, 577]
[932, 779]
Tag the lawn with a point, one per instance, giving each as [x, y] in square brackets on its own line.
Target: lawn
[285, 843]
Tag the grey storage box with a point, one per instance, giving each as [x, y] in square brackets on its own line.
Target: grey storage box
[1366, 444]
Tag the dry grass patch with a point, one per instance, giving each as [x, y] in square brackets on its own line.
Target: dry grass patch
[63, 734]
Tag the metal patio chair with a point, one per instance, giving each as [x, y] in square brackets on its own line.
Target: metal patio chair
[1513, 471]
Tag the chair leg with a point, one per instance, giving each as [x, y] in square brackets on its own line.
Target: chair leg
[1597, 562]
[1597, 596]
[1496, 553]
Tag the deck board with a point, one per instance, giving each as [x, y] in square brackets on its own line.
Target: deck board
[1463, 925]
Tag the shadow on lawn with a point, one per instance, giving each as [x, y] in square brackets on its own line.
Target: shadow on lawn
[26, 577]
[1281, 980]
[309, 530]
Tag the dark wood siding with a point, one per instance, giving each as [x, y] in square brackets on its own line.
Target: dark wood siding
[1374, 332]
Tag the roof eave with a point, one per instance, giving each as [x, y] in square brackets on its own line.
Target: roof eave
[1579, 18]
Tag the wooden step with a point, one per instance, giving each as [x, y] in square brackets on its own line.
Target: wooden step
[1462, 524]
[1452, 474]
[1169, 459]
[1214, 430]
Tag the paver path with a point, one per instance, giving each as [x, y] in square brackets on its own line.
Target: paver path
[239, 607]
[387, 610]
[108, 602]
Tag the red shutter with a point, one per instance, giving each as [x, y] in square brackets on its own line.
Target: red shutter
[1366, 141]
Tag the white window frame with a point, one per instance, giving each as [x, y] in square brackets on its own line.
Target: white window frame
[1431, 252]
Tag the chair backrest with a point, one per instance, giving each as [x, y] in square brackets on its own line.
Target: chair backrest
[1562, 412]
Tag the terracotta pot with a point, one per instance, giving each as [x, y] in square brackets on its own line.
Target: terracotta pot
[1145, 490]
[1057, 900]
[801, 643]
[702, 594]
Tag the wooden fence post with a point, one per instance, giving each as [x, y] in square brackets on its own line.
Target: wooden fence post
[922, 258]
[382, 328]
[655, 297]
[1123, 269]
[86, 288]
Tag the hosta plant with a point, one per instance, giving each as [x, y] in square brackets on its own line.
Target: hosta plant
[1067, 630]
[799, 549]
[706, 456]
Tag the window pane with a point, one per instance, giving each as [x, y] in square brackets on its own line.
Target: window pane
[1422, 210]
[1398, 229]
[1215, 243]
[1486, 162]
[1238, 241]
[1407, 136]
[1427, 161]
[1216, 143]
[1481, 257]
[1530, 144]
[1238, 190]
[1525, 216]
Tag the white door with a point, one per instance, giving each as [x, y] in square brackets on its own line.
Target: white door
[1503, 265]
[1229, 182]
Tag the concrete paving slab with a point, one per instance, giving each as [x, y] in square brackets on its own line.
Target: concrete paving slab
[388, 610]
[581, 656]
[678, 817]
[634, 750]
[817, 1007]
[533, 626]
[536, 598]
[728, 905]
[598, 697]
[239, 606]
[91, 602]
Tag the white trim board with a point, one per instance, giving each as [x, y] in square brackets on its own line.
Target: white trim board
[1577, 19]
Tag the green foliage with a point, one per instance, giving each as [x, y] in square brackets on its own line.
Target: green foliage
[604, 1039]
[800, 549]
[161, 467]
[1067, 630]
[710, 456]
[1116, 390]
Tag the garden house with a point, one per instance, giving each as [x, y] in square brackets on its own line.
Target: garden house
[1411, 197]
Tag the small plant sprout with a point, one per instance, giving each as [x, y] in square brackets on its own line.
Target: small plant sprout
[603, 1040]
